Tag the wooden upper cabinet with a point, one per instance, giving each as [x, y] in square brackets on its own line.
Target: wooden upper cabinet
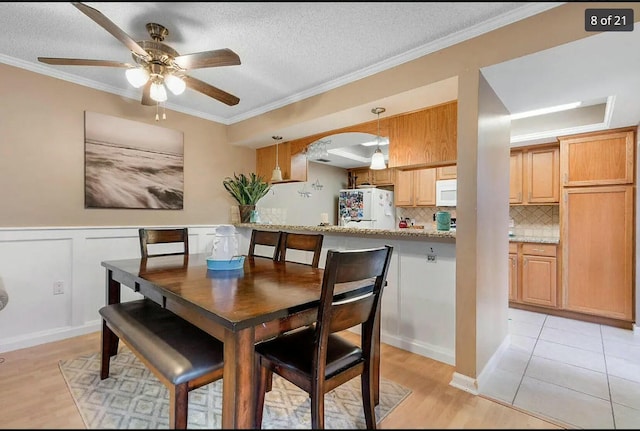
[425, 137]
[515, 177]
[403, 189]
[598, 158]
[447, 172]
[382, 177]
[415, 188]
[362, 175]
[534, 176]
[293, 166]
[543, 175]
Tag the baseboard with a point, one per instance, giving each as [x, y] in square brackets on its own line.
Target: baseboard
[57, 334]
[493, 362]
[422, 349]
[465, 383]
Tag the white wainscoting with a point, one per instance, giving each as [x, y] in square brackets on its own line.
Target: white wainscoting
[33, 259]
[418, 306]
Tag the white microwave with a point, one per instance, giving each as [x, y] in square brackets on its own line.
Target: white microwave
[446, 193]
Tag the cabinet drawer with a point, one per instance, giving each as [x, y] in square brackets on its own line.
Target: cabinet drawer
[539, 249]
[513, 247]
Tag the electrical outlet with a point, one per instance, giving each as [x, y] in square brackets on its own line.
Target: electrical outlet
[431, 258]
[58, 287]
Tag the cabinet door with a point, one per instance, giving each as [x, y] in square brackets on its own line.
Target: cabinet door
[598, 254]
[425, 187]
[515, 178]
[600, 158]
[424, 137]
[382, 177]
[362, 176]
[539, 280]
[293, 167]
[543, 173]
[447, 172]
[403, 189]
[513, 277]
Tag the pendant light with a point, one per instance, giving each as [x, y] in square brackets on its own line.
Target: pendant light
[377, 160]
[276, 175]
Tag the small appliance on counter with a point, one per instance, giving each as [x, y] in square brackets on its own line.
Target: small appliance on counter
[443, 220]
[366, 208]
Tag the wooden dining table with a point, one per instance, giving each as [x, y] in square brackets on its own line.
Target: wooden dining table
[240, 307]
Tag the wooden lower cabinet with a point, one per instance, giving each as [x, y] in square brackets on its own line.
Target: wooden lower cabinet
[533, 274]
[539, 275]
[513, 271]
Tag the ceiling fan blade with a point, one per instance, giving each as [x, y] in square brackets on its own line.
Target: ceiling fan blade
[211, 91]
[82, 62]
[105, 23]
[146, 95]
[215, 58]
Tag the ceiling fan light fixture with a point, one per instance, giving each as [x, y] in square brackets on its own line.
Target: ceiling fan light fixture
[158, 92]
[175, 84]
[137, 76]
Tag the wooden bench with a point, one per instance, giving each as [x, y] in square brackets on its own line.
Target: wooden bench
[182, 356]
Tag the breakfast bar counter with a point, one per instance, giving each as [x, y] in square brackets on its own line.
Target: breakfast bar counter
[428, 233]
[331, 229]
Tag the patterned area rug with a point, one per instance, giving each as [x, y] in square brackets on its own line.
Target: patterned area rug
[132, 397]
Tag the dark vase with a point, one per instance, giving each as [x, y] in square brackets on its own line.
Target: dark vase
[245, 212]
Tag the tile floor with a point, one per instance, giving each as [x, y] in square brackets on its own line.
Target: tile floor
[579, 374]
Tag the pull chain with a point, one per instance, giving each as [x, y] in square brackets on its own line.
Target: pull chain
[157, 117]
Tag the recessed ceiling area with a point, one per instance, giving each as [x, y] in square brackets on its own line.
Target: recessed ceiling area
[601, 71]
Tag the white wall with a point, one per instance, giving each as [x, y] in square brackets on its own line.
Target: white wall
[33, 259]
[305, 211]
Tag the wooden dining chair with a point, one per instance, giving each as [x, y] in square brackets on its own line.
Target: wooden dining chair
[303, 242]
[163, 236]
[316, 359]
[265, 238]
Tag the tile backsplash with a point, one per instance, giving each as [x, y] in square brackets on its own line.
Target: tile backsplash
[422, 215]
[535, 220]
[529, 220]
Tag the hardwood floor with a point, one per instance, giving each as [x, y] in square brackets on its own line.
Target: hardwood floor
[34, 395]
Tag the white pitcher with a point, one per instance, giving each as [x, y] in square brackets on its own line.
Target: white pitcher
[225, 243]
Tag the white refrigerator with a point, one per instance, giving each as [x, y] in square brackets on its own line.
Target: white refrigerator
[366, 208]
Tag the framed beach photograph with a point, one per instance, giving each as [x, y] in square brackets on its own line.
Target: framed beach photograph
[133, 165]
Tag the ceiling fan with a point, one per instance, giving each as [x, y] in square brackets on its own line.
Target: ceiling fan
[157, 64]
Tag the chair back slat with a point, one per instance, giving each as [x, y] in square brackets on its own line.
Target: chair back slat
[347, 266]
[302, 242]
[265, 238]
[163, 236]
[348, 314]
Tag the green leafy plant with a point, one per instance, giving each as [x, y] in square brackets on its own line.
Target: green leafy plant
[246, 189]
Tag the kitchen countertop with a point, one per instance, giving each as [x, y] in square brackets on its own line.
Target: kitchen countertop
[538, 239]
[407, 232]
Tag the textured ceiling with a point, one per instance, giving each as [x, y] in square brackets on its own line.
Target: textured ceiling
[289, 51]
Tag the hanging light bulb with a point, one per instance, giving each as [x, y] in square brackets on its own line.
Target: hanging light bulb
[276, 175]
[175, 84]
[157, 92]
[137, 76]
[377, 160]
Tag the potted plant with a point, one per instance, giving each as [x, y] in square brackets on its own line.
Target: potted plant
[247, 190]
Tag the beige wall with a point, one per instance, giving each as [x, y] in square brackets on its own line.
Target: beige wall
[42, 157]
